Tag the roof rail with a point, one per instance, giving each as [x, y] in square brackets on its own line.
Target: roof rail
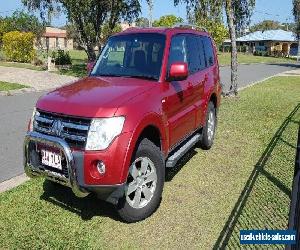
[189, 26]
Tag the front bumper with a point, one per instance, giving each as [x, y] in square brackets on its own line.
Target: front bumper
[73, 175]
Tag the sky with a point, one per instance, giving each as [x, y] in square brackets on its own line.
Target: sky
[278, 10]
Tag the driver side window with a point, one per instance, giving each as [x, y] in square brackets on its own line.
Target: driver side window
[115, 55]
[178, 50]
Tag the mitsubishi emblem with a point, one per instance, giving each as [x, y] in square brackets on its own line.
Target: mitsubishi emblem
[57, 127]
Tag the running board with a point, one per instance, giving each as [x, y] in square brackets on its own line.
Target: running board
[173, 159]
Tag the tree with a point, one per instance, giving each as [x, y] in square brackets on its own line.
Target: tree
[238, 13]
[142, 22]
[167, 21]
[18, 46]
[216, 28]
[289, 27]
[107, 32]
[266, 25]
[150, 7]
[23, 22]
[89, 16]
[296, 12]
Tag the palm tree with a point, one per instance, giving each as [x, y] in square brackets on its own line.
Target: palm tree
[150, 5]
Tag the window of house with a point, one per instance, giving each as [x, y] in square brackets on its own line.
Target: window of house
[47, 43]
[57, 42]
[66, 42]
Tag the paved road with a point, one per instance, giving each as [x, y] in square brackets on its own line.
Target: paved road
[253, 73]
[15, 112]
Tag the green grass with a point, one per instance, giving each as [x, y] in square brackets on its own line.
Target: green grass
[199, 195]
[6, 86]
[225, 59]
[78, 56]
[21, 65]
[79, 62]
[78, 68]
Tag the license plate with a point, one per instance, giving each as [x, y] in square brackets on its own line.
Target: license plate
[51, 159]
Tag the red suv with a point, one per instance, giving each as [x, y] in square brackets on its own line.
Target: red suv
[151, 96]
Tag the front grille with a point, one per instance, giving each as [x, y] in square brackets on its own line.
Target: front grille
[72, 129]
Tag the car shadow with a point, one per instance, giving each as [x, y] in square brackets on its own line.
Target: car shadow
[265, 198]
[171, 172]
[86, 208]
[91, 206]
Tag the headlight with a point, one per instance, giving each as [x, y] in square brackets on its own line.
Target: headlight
[31, 122]
[103, 131]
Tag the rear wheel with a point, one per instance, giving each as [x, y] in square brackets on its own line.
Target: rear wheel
[208, 132]
[144, 183]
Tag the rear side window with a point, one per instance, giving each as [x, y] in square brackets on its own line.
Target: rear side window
[196, 58]
[209, 51]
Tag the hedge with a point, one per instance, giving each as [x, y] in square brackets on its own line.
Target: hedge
[18, 46]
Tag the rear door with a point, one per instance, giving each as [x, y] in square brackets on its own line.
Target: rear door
[198, 74]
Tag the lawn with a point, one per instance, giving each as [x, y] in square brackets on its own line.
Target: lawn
[21, 65]
[6, 86]
[225, 59]
[253, 152]
[79, 62]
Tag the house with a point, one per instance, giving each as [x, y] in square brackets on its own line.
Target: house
[55, 38]
[271, 42]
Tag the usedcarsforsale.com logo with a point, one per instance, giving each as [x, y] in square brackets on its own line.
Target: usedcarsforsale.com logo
[287, 237]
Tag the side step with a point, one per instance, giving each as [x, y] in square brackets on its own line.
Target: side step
[173, 159]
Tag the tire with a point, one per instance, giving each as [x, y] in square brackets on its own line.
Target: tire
[144, 183]
[209, 130]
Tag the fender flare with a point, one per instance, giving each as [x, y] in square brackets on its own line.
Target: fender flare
[150, 119]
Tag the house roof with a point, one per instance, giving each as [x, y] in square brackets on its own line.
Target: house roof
[269, 35]
[53, 34]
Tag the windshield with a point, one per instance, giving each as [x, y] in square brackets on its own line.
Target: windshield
[134, 55]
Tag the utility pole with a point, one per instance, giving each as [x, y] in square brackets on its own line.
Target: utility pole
[150, 5]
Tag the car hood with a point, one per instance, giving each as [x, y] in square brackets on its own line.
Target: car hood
[93, 96]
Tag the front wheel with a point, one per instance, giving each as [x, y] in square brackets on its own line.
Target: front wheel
[209, 130]
[144, 183]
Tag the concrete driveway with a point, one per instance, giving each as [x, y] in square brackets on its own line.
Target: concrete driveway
[37, 80]
[15, 112]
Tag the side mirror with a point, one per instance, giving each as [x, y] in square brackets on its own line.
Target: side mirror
[90, 66]
[178, 71]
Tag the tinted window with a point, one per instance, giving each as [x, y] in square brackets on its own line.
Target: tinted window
[178, 50]
[133, 55]
[196, 58]
[209, 52]
[201, 52]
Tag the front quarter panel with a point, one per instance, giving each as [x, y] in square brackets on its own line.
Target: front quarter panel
[140, 112]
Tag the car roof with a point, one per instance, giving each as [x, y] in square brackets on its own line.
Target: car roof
[163, 30]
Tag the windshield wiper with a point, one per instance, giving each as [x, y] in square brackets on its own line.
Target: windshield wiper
[130, 76]
[142, 77]
[110, 75]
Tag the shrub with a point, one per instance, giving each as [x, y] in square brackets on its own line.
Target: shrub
[61, 57]
[18, 46]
